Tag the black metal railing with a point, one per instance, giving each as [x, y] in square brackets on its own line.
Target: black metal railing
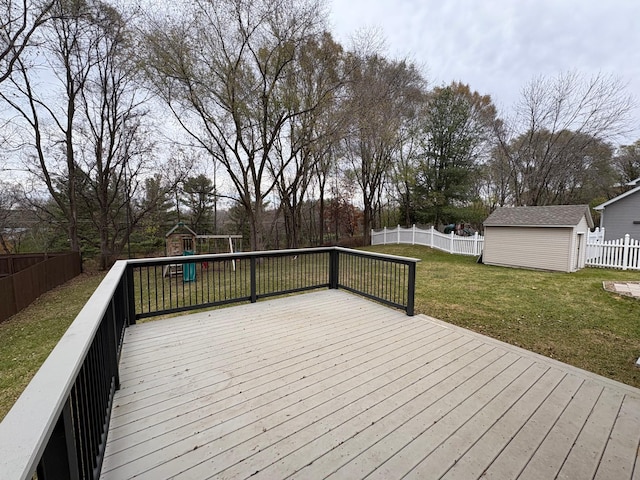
[177, 284]
[384, 278]
[58, 427]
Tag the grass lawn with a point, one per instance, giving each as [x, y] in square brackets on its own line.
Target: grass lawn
[566, 316]
[28, 337]
[569, 317]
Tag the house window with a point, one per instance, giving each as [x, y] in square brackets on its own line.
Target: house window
[187, 244]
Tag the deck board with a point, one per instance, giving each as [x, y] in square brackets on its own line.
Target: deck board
[328, 384]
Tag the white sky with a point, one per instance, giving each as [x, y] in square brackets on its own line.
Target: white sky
[498, 46]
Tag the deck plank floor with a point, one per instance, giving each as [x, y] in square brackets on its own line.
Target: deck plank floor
[330, 385]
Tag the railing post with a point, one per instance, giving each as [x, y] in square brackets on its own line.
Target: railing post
[59, 460]
[254, 293]
[411, 293]
[130, 304]
[113, 340]
[334, 268]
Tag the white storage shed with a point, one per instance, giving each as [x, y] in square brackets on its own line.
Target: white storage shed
[542, 238]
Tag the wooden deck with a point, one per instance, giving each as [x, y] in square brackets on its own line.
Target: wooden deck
[329, 385]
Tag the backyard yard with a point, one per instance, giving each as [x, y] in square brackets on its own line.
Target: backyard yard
[568, 317]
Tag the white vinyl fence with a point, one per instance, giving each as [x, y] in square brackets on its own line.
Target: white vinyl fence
[431, 238]
[623, 253]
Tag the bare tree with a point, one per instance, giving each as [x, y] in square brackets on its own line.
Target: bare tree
[85, 134]
[19, 20]
[221, 71]
[314, 86]
[556, 119]
[112, 142]
[50, 116]
[380, 93]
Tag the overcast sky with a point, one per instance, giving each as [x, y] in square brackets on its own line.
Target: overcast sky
[497, 46]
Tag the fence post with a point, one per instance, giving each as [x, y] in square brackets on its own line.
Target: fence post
[431, 239]
[411, 289]
[451, 245]
[625, 252]
[384, 236]
[475, 243]
[130, 303]
[398, 236]
[334, 267]
[413, 235]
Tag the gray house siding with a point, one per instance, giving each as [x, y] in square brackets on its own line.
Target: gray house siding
[618, 218]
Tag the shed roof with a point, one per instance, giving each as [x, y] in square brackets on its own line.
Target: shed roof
[547, 216]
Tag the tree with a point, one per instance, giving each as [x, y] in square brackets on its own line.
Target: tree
[18, 25]
[565, 167]
[404, 169]
[222, 74]
[627, 162]
[9, 200]
[457, 130]
[557, 120]
[312, 87]
[87, 134]
[51, 120]
[198, 194]
[112, 141]
[155, 202]
[380, 94]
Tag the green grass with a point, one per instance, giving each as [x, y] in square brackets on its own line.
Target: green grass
[28, 337]
[569, 317]
[566, 316]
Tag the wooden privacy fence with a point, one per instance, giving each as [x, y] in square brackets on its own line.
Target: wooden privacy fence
[623, 253]
[431, 238]
[23, 278]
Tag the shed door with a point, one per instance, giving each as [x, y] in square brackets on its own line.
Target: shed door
[579, 262]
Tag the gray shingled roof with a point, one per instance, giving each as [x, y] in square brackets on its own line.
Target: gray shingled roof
[549, 216]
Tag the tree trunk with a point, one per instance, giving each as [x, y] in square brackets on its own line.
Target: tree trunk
[366, 221]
